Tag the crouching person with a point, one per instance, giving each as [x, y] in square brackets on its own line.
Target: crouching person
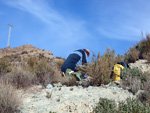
[75, 59]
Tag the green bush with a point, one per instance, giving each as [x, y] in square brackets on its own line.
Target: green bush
[133, 106]
[128, 106]
[105, 106]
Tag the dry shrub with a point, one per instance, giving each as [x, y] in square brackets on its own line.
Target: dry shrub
[59, 63]
[4, 66]
[30, 63]
[44, 71]
[11, 58]
[144, 46]
[147, 57]
[139, 51]
[119, 58]
[20, 78]
[132, 55]
[9, 100]
[24, 52]
[32, 70]
[100, 68]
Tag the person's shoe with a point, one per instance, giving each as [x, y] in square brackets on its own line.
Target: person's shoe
[78, 75]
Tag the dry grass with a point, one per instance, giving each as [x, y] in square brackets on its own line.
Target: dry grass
[9, 100]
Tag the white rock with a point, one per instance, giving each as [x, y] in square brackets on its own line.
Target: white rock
[49, 86]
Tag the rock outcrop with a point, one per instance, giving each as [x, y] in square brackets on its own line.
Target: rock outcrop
[141, 65]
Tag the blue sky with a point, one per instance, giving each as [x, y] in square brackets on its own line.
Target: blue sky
[62, 26]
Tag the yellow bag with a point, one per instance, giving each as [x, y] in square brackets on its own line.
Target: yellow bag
[117, 72]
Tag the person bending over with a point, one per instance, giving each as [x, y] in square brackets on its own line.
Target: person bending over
[75, 59]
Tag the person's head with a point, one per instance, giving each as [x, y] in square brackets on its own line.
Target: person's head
[87, 52]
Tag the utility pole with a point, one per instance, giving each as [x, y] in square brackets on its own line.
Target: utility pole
[10, 26]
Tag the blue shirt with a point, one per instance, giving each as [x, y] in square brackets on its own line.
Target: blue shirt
[75, 58]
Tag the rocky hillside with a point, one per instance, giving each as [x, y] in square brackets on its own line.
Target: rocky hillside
[27, 51]
[142, 65]
[76, 99]
[62, 98]
[24, 51]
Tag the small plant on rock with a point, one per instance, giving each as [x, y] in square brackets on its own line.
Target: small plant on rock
[105, 106]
